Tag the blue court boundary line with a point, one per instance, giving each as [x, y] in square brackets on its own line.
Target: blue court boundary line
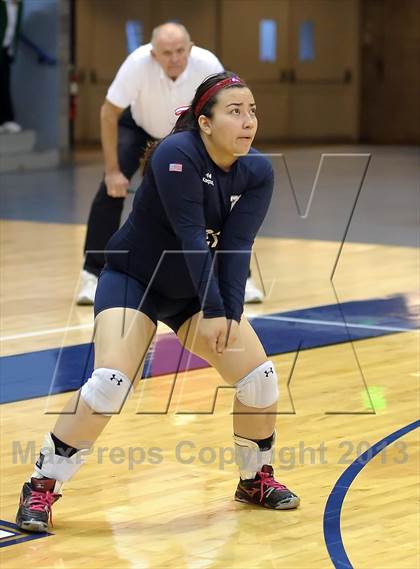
[57, 370]
[19, 536]
[333, 507]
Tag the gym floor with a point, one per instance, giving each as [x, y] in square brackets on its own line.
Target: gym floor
[338, 260]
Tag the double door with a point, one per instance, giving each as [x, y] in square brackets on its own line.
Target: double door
[301, 59]
[299, 56]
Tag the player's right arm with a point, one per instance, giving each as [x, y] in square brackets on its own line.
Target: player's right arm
[116, 182]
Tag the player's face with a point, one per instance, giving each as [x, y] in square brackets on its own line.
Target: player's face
[172, 52]
[234, 121]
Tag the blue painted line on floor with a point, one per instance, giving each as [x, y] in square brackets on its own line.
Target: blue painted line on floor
[333, 508]
[36, 374]
[15, 535]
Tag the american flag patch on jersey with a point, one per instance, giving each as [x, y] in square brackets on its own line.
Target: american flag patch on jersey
[175, 167]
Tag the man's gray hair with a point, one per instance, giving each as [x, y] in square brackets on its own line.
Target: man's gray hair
[156, 31]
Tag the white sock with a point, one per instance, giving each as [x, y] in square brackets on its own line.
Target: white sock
[249, 457]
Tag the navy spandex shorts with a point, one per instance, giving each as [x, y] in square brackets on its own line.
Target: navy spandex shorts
[116, 289]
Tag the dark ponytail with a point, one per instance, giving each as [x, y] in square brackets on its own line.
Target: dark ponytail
[188, 119]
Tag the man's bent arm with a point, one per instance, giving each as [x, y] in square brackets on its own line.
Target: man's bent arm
[109, 135]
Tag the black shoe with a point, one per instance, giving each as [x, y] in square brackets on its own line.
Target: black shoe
[36, 499]
[264, 491]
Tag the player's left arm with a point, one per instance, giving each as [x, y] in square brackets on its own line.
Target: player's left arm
[238, 234]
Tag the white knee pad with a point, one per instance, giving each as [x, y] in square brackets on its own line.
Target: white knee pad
[260, 387]
[106, 391]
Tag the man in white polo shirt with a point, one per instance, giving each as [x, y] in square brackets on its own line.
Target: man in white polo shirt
[153, 81]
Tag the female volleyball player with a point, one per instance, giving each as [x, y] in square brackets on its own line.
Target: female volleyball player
[182, 258]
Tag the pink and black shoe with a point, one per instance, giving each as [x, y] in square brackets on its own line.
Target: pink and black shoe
[36, 500]
[265, 491]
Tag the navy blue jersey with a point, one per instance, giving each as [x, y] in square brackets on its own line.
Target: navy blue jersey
[186, 209]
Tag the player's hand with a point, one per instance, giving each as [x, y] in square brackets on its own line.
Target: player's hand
[116, 185]
[214, 333]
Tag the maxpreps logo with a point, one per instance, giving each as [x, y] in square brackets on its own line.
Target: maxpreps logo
[207, 179]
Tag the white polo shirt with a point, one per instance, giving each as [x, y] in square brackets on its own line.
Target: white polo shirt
[152, 95]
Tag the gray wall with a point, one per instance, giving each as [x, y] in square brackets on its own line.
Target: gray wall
[38, 89]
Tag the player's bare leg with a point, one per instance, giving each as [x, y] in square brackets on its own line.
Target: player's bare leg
[246, 366]
[122, 338]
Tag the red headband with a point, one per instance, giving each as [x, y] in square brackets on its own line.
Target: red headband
[181, 110]
[207, 95]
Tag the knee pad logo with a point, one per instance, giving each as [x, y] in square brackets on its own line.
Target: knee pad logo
[118, 381]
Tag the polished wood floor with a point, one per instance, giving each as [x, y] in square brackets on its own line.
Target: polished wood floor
[157, 489]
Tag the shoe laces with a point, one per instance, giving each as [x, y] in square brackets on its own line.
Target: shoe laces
[39, 500]
[267, 480]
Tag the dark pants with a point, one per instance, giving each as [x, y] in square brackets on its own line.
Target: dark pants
[6, 107]
[105, 213]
